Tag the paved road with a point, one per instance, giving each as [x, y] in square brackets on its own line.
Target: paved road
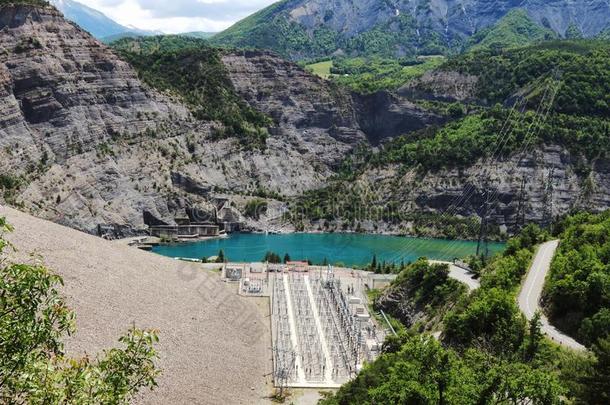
[459, 274]
[531, 291]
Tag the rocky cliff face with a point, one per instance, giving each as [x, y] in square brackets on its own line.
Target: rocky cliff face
[92, 147]
[69, 107]
[319, 119]
[85, 143]
[327, 119]
[536, 186]
[64, 93]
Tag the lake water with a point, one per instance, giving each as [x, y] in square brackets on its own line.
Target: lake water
[336, 248]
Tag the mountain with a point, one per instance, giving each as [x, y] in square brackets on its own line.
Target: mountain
[107, 140]
[86, 143]
[302, 29]
[539, 165]
[98, 24]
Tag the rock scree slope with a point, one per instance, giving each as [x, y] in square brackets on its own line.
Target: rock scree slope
[213, 344]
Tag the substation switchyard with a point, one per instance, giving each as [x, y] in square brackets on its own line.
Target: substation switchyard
[321, 329]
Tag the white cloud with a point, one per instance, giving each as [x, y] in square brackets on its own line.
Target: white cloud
[174, 16]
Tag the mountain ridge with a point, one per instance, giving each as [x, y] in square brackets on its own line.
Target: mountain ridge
[94, 21]
[102, 147]
[304, 29]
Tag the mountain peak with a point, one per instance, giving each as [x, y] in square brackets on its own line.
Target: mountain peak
[94, 21]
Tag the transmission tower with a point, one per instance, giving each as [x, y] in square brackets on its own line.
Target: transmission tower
[547, 201]
[483, 229]
[520, 216]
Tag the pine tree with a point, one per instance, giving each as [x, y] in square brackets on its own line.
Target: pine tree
[221, 257]
[534, 338]
[598, 383]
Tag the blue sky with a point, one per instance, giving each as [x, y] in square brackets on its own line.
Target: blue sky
[173, 16]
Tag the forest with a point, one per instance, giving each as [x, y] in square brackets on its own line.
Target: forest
[577, 293]
[487, 352]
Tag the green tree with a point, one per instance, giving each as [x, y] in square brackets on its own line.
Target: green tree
[424, 372]
[598, 383]
[286, 258]
[34, 319]
[534, 338]
[271, 257]
[373, 266]
[221, 256]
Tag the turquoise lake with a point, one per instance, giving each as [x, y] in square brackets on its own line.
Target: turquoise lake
[336, 248]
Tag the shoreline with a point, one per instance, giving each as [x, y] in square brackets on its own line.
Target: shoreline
[289, 233]
[340, 250]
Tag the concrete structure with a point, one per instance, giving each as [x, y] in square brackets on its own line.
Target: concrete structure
[321, 330]
[379, 281]
[190, 231]
[297, 266]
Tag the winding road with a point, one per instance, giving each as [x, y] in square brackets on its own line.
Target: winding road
[531, 291]
[461, 275]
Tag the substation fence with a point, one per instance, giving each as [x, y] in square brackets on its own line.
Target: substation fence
[319, 336]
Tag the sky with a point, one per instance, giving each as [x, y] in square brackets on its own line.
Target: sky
[175, 16]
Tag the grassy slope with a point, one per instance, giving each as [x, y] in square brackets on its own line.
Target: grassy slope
[321, 69]
[515, 29]
[255, 31]
[369, 75]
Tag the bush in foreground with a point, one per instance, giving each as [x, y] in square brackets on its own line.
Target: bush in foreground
[34, 320]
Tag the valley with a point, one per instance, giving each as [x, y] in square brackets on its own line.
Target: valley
[309, 148]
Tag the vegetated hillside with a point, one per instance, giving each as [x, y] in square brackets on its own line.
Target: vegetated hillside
[195, 71]
[580, 66]
[199, 34]
[515, 29]
[537, 165]
[577, 293]
[488, 353]
[422, 294]
[373, 73]
[302, 29]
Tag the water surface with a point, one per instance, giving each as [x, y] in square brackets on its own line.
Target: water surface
[336, 248]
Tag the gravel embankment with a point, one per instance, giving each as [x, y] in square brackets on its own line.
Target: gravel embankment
[214, 345]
